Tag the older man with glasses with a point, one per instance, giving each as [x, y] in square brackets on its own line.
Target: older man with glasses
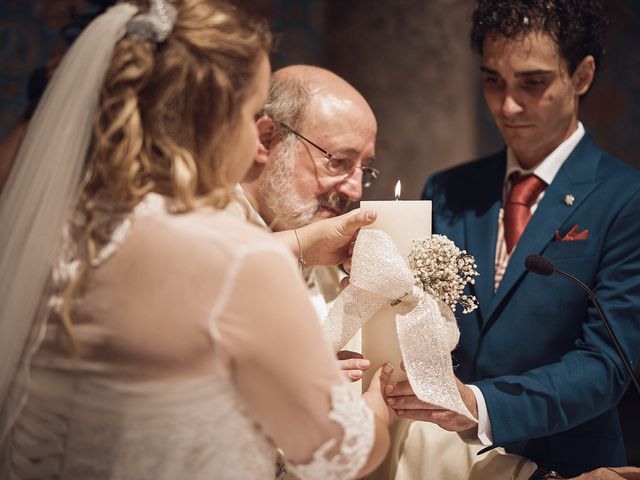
[317, 149]
[317, 143]
[317, 136]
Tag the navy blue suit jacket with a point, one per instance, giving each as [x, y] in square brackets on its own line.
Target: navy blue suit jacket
[536, 348]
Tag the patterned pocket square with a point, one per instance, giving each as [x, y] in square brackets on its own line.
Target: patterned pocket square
[572, 234]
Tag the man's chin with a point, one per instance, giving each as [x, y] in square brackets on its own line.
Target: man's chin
[519, 142]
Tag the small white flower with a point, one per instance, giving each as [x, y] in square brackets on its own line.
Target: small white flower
[443, 271]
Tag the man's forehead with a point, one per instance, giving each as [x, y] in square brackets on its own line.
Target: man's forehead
[332, 107]
[535, 51]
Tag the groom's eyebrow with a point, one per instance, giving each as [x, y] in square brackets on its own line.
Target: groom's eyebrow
[488, 70]
[524, 73]
[531, 73]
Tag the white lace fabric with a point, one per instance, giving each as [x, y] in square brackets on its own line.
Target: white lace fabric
[350, 412]
[199, 354]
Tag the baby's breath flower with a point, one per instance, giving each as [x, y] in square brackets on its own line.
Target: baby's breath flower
[442, 270]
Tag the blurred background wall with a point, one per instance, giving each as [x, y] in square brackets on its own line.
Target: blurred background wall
[410, 58]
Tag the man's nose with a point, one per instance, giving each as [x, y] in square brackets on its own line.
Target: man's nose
[351, 186]
[511, 106]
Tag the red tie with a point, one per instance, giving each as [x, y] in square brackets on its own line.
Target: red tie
[517, 211]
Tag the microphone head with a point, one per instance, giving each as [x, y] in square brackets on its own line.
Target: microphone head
[540, 265]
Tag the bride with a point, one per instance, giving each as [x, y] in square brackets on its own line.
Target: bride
[158, 337]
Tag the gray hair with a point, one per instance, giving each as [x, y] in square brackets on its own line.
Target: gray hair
[287, 100]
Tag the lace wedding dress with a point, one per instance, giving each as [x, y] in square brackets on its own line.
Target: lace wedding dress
[198, 355]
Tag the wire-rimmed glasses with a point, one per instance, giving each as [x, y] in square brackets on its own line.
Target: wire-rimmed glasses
[336, 165]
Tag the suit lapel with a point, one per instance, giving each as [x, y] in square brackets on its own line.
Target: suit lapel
[481, 230]
[577, 178]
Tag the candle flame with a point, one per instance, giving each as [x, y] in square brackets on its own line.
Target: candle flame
[398, 189]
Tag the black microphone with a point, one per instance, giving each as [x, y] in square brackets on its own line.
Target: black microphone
[542, 266]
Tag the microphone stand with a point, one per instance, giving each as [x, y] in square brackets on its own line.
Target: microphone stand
[612, 335]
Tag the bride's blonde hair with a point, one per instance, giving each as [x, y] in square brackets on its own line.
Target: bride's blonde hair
[165, 114]
[166, 110]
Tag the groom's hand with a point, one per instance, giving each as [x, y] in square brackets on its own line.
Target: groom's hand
[402, 399]
[352, 364]
[613, 473]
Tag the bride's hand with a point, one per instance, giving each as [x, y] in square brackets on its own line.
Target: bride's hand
[352, 364]
[374, 397]
[328, 242]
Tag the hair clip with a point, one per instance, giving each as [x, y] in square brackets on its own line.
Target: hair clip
[154, 25]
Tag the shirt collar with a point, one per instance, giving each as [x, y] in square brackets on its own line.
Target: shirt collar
[253, 214]
[548, 168]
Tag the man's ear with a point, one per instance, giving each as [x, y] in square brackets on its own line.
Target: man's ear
[584, 74]
[266, 132]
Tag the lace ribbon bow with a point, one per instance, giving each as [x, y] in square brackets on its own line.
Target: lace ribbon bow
[427, 328]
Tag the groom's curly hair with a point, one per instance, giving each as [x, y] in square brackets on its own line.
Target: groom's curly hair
[576, 26]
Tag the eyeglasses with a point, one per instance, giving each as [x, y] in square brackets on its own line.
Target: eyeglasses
[339, 166]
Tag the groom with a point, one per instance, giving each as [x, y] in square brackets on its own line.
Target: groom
[539, 368]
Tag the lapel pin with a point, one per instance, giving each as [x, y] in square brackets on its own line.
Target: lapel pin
[569, 199]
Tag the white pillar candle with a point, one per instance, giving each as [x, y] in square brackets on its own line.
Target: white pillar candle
[403, 221]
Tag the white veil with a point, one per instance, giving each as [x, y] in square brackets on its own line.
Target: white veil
[42, 189]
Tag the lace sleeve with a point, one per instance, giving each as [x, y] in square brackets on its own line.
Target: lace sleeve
[286, 372]
[356, 420]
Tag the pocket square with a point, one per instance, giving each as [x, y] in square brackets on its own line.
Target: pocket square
[572, 234]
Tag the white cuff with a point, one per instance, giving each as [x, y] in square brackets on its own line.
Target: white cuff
[485, 436]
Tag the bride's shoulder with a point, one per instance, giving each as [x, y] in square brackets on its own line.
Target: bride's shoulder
[201, 228]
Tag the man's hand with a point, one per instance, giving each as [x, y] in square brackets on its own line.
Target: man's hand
[613, 473]
[330, 241]
[352, 364]
[403, 400]
[346, 265]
